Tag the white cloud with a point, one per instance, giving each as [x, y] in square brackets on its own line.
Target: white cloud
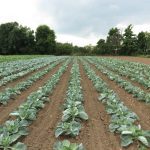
[25, 12]
[136, 28]
[80, 41]
[141, 27]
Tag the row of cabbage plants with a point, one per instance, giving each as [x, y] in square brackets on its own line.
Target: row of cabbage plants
[7, 69]
[123, 121]
[11, 93]
[26, 113]
[135, 71]
[73, 112]
[30, 68]
[139, 68]
[137, 92]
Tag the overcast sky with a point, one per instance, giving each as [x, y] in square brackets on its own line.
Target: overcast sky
[80, 22]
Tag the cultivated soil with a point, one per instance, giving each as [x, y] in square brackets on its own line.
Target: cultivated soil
[134, 59]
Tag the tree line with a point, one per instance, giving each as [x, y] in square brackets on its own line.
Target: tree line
[127, 43]
[18, 39]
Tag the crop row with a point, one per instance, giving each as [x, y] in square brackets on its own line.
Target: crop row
[10, 93]
[24, 72]
[135, 71]
[137, 92]
[123, 121]
[140, 68]
[73, 112]
[7, 69]
[12, 58]
[12, 130]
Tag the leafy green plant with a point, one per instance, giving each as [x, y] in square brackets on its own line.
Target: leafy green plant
[25, 112]
[135, 133]
[66, 145]
[74, 113]
[68, 128]
[6, 140]
[15, 127]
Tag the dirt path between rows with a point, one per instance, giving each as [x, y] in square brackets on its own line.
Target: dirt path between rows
[133, 59]
[13, 104]
[21, 79]
[41, 132]
[140, 108]
[95, 134]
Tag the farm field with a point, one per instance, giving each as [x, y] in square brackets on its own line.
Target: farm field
[75, 103]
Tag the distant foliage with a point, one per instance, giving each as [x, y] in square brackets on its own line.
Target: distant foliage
[124, 44]
[18, 39]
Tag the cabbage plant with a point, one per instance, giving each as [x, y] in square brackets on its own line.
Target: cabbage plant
[66, 145]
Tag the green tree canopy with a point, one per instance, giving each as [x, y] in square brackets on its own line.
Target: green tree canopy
[142, 42]
[129, 45]
[147, 35]
[15, 39]
[100, 47]
[113, 41]
[45, 40]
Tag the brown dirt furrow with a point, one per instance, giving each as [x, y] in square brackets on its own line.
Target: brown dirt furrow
[41, 132]
[140, 108]
[133, 59]
[21, 79]
[13, 104]
[95, 134]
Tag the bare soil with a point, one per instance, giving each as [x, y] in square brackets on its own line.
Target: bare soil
[134, 59]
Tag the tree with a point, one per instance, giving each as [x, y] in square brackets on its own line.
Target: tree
[147, 35]
[142, 42]
[45, 40]
[6, 31]
[22, 40]
[15, 39]
[100, 47]
[129, 45]
[114, 40]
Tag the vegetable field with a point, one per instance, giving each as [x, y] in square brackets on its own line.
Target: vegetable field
[74, 103]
